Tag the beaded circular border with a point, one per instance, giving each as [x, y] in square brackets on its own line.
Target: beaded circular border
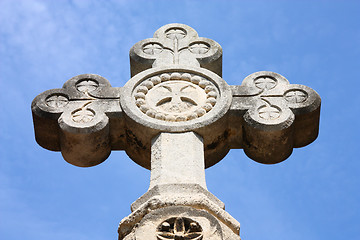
[142, 89]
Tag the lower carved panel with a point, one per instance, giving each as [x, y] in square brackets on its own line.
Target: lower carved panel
[180, 223]
[179, 228]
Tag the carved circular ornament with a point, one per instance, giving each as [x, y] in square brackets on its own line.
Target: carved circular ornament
[57, 101]
[152, 48]
[265, 82]
[176, 99]
[296, 96]
[178, 223]
[175, 33]
[269, 112]
[82, 115]
[199, 47]
[179, 228]
[87, 85]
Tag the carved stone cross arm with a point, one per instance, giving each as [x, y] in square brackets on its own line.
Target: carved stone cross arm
[83, 120]
[269, 117]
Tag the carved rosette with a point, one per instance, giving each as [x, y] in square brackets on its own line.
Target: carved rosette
[176, 96]
[176, 99]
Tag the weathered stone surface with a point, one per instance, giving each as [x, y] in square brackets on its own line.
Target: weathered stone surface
[179, 222]
[75, 120]
[181, 99]
[177, 163]
[191, 195]
[177, 116]
[270, 117]
[179, 190]
[266, 116]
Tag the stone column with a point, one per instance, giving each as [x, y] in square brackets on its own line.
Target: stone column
[177, 158]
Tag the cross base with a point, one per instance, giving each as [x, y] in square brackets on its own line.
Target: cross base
[171, 201]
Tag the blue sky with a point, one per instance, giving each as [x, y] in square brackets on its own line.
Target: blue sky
[313, 195]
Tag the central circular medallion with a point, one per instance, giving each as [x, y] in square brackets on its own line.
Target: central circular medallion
[175, 99]
[176, 96]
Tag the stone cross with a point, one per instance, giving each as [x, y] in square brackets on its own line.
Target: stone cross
[176, 116]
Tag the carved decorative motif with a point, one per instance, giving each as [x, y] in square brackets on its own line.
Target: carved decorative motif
[83, 115]
[270, 104]
[175, 33]
[273, 97]
[199, 47]
[175, 96]
[176, 44]
[265, 82]
[87, 85]
[57, 101]
[268, 112]
[152, 48]
[296, 96]
[79, 108]
[179, 228]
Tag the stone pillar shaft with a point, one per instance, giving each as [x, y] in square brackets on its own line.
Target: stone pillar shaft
[177, 158]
